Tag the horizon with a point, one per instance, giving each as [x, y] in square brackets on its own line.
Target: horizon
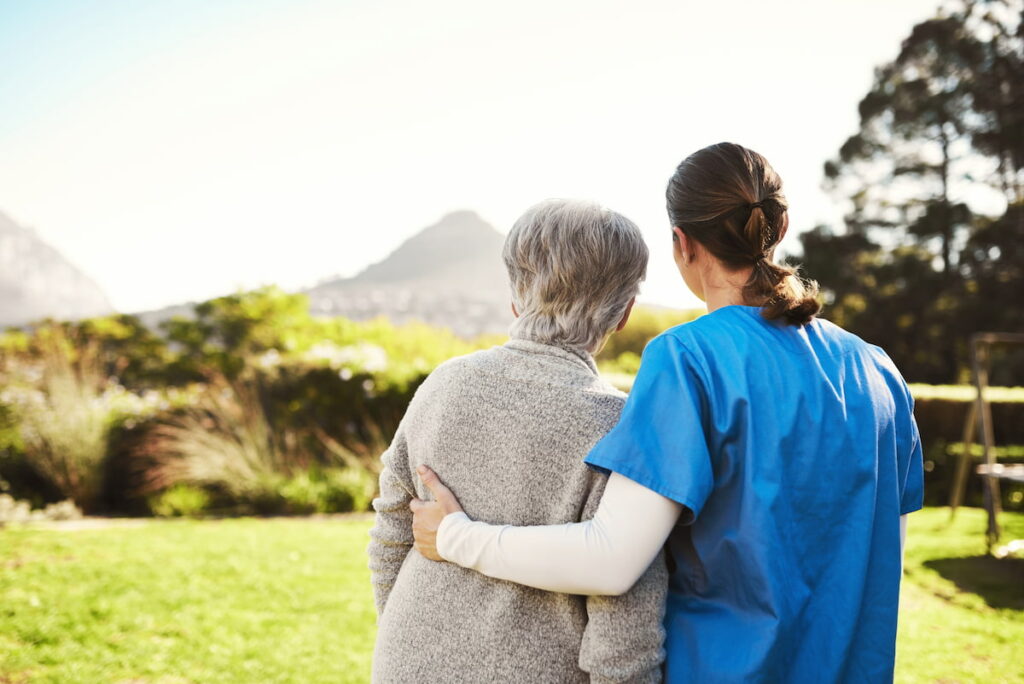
[180, 153]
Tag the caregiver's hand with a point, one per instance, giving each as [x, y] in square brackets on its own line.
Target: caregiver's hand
[427, 515]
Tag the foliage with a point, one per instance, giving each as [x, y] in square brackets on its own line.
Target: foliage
[269, 327]
[229, 442]
[287, 600]
[132, 355]
[941, 413]
[919, 267]
[645, 322]
[334, 490]
[225, 331]
[180, 500]
[63, 416]
[224, 440]
[627, 365]
[241, 398]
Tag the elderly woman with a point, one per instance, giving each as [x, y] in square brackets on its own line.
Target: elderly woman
[509, 427]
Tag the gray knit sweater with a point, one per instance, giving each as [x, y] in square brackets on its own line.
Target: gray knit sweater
[506, 429]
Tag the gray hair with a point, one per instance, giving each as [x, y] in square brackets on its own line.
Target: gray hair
[573, 267]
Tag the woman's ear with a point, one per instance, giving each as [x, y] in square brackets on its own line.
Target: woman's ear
[625, 316]
[681, 248]
[514, 312]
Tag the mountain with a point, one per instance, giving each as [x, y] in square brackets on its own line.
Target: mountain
[448, 274]
[36, 281]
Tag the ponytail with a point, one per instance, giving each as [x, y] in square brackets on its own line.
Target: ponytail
[785, 295]
[780, 291]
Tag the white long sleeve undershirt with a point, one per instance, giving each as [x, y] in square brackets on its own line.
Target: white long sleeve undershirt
[602, 556]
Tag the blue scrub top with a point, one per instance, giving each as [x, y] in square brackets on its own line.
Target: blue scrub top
[794, 450]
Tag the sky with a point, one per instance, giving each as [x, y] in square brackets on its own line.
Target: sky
[183, 149]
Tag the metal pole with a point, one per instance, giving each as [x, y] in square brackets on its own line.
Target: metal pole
[963, 464]
[979, 360]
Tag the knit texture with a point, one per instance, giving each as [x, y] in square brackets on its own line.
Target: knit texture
[506, 429]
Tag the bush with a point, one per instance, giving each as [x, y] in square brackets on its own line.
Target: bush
[63, 416]
[627, 363]
[941, 412]
[227, 443]
[351, 489]
[645, 323]
[224, 441]
[180, 500]
[336, 490]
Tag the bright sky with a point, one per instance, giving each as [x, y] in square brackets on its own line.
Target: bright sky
[179, 150]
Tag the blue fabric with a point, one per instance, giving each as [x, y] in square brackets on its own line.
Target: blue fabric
[794, 450]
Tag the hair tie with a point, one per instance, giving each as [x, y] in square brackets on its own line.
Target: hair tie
[755, 204]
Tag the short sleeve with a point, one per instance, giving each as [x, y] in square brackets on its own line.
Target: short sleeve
[661, 440]
[912, 472]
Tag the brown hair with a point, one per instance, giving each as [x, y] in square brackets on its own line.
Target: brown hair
[729, 199]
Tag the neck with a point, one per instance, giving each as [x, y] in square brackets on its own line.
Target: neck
[725, 289]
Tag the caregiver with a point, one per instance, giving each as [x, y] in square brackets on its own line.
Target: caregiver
[772, 452]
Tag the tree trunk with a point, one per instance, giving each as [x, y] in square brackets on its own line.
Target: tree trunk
[947, 217]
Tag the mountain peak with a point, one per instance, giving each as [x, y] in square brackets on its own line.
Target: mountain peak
[460, 240]
[463, 224]
[467, 216]
[449, 274]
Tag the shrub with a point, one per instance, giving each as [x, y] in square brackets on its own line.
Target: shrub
[941, 412]
[224, 440]
[62, 415]
[180, 500]
[336, 490]
[350, 489]
[644, 323]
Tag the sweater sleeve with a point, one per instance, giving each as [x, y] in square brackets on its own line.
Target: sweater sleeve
[604, 556]
[624, 640]
[391, 535]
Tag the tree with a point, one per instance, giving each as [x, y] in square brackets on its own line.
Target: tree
[902, 163]
[917, 267]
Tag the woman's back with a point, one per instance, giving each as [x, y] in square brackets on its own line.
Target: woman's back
[510, 426]
[790, 447]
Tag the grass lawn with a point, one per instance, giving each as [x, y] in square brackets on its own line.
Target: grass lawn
[288, 600]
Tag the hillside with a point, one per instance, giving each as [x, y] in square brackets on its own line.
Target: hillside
[36, 281]
[448, 274]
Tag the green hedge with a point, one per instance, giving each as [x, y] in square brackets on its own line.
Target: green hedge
[941, 412]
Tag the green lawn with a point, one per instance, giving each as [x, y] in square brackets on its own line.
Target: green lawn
[288, 600]
[247, 600]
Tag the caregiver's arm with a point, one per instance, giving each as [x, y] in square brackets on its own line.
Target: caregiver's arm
[602, 556]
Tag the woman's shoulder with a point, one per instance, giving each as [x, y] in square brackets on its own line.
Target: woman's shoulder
[867, 354]
[845, 341]
[457, 370]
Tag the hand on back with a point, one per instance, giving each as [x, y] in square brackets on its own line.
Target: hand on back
[427, 515]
